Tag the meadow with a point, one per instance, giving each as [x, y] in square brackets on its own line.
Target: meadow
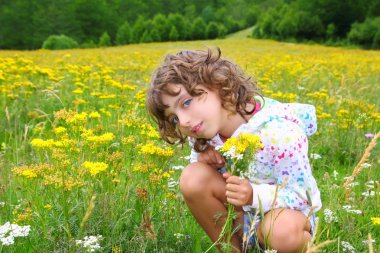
[83, 168]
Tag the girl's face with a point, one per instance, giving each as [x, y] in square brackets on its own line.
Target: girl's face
[200, 116]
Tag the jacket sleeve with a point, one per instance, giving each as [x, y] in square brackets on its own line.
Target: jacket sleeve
[286, 153]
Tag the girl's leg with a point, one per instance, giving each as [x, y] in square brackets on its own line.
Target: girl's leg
[204, 189]
[285, 230]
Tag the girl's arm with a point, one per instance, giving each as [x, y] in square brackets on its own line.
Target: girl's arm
[286, 152]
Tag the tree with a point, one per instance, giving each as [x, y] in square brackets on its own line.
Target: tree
[105, 40]
[138, 29]
[366, 33]
[155, 35]
[161, 24]
[212, 30]
[124, 34]
[146, 37]
[16, 29]
[181, 24]
[93, 17]
[199, 29]
[173, 36]
[208, 14]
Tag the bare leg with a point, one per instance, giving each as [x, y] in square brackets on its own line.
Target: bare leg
[285, 230]
[204, 190]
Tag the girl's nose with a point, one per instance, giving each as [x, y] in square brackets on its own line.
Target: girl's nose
[184, 119]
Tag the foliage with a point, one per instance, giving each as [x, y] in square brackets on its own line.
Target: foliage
[173, 35]
[87, 20]
[302, 20]
[199, 29]
[366, 33]
[105, 40]
[124, 34]
[212, 30]
[55, 42]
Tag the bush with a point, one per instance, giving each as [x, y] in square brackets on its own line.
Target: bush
[56, 42]
[124, 34]
[155, 35]
[105, 40]
[88, 44]
[212, 30]
[173, 36]
[367, 33]
[199, 29]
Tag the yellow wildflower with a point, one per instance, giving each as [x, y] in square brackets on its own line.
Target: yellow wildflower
[95, 167]
[28, 174]
[151, 149]
[47, 206]
[104, 138]
[242, 143]
[40, 143]
[78, 91]
[376, 220]
[94, 115]
[59, 130]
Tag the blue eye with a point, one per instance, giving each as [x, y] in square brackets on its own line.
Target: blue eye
[174, 120]
[187, 103]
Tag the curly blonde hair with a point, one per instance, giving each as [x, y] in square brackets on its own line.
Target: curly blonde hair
[191, 68]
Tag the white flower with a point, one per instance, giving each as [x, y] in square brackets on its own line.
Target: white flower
[6, 241]
[2, 204]
[315, 156]
[368, 193]
[329, 216]
[365, 165]
[178, 167]
[172, 183]
[367, 241]
[349, 210]
[178, 235]
[335, 174]
[91, 243]
[270, 251]
[370, 184]
[8, 232]
[347, 247]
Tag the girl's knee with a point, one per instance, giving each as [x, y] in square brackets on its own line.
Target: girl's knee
[195, 180]
[284, 230]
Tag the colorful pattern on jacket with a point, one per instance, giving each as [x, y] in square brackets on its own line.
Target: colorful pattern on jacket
[283, 163]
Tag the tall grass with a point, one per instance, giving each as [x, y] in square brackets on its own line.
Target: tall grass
[79, 157]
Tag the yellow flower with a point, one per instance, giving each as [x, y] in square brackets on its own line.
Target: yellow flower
[95, 167]
[242, 143]
[94, 115]
[104, 138]
[40, 143]
[78, 91]
[59, 130]
[28, 174]
[151, 149]
[47, 206]
[376, 220]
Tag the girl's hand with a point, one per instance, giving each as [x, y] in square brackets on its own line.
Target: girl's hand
[239, 191]
[212, 158]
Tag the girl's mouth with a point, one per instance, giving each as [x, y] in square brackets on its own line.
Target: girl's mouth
[196, 129]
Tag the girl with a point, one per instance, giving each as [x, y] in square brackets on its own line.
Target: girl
[198, 94]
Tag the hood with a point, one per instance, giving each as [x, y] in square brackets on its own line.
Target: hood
[301, 114]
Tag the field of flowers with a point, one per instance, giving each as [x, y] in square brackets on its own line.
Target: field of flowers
[83, 168]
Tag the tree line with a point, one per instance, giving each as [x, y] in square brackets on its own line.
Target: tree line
[53, 24]
[334, 22]
[27, 24]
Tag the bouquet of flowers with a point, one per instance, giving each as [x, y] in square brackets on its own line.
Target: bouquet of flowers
[235, 150]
